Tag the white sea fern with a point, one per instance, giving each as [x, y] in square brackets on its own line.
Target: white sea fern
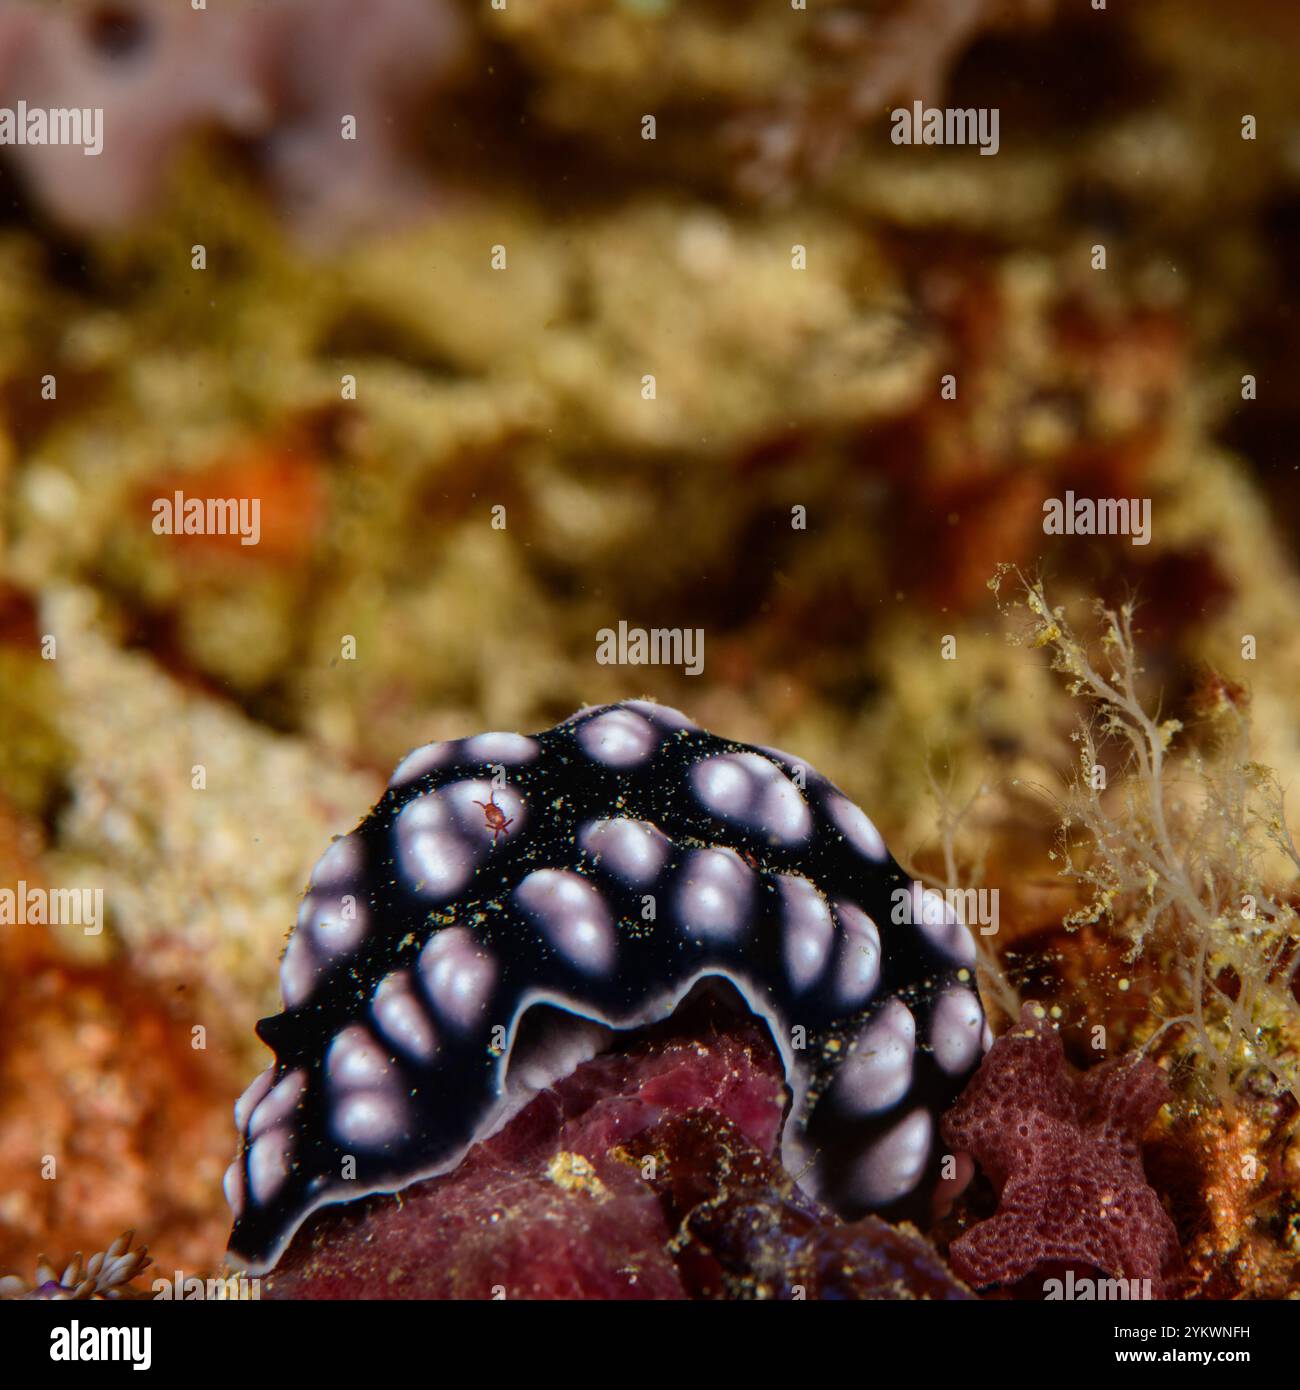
[1186, 856]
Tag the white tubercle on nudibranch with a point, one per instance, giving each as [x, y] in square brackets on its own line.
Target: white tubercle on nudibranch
[605, 868]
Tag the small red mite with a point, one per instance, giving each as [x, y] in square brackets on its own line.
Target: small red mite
[495, 817]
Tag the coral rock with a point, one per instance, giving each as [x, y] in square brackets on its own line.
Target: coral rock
[648, 1173]
[547, 1208]
[745, 1231]
[1064, 1154]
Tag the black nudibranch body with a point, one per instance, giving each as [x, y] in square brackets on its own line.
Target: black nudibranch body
[602, 868]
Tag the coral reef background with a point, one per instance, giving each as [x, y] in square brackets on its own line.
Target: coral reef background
[355, 354]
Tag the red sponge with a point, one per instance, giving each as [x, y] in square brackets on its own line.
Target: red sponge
[1064, 1153]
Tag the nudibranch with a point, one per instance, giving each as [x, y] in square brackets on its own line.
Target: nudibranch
[511, 901]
